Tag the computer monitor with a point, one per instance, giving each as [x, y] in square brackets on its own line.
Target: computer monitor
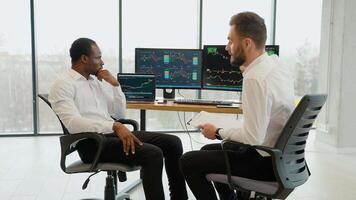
[272, 49]
[138, 87]
[217, 72]
[173, 68]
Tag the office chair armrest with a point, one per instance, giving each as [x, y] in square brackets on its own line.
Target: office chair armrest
[233, 146]
[68, 145]
[237, 146]
[277, 163]
[132, 122]
[271, 151]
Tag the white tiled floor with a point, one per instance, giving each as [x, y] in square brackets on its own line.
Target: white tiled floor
[29, 170]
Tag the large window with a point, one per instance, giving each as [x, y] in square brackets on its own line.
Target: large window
[59, 23]
[298, 34]
[15, 65]
[216, 18]
[145, 24]
[158, 24]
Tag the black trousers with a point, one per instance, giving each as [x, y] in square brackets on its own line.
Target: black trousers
[210, 159]
[149, 156]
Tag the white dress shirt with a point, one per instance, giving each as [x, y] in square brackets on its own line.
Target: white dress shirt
[86, 105]
[267, 102]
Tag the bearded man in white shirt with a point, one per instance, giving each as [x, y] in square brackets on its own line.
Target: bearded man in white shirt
[267, 103]
[86, 96]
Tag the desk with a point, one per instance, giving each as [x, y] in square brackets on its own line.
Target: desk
[177, 107]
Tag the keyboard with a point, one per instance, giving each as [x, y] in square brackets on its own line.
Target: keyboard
[203, 102]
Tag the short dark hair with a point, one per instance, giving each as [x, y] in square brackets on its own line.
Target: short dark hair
[249, 24]
[81, 46]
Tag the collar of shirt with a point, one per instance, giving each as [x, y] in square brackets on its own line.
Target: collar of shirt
[255, 62]
[76, 75]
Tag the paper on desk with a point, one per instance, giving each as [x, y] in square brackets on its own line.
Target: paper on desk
[215, 119]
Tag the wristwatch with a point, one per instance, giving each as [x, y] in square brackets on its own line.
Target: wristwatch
[217, 135]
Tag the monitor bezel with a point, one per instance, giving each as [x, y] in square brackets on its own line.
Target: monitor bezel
[272, 45]
[203, 86]
[174, 87]
[143, 75]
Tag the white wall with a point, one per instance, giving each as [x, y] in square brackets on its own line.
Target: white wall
[338, 73]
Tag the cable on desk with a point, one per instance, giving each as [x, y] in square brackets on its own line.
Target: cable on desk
[185, 128]
[186, 131]
[185, 124]
[180, 94]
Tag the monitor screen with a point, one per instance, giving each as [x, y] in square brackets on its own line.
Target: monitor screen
[272, 49]
[138, 87]
[218, 73]
[173, 68]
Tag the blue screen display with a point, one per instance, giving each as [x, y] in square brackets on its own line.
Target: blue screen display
[173, 68]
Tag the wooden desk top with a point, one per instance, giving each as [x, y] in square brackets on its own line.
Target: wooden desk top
[182, 107]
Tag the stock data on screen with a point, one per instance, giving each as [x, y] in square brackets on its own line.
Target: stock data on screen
[137, 87]
[173, 68]
[272, 49]
[218, 73]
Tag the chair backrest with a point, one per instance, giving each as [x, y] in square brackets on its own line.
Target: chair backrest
[292, 140]
[44, 97]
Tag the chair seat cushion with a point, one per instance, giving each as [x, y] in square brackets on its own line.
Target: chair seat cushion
[264, 187]
[79, 166]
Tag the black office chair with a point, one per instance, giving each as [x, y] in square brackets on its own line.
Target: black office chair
[289, 164]
[68, 145]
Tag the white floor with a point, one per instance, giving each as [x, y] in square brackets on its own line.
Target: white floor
[29, 170]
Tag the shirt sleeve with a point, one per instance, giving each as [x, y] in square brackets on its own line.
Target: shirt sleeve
[256, 115]
[116, 100]
[61, 97]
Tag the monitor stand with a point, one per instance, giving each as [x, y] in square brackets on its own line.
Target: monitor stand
[168, 93]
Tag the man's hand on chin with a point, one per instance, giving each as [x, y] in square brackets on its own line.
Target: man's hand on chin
[104, 74]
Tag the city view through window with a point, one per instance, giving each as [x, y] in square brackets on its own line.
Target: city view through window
[151, 24]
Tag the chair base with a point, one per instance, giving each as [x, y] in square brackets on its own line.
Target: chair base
[121, 196]
[110, 192]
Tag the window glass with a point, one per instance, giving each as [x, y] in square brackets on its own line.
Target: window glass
[58, 25]
[298, 34]
[216, 18]
[159, 24]
[15, 65]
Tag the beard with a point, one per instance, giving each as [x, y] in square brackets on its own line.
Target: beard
[238, 58]
[96, 70]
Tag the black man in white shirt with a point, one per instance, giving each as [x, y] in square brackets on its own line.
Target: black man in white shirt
[86, 96]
